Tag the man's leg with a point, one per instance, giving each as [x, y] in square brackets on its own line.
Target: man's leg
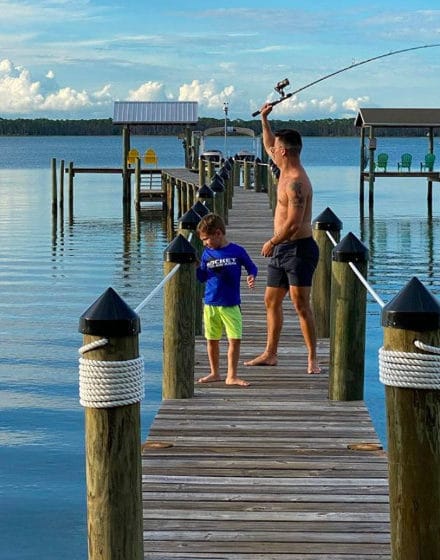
[213, 347]
[300, 296]
[273, 299]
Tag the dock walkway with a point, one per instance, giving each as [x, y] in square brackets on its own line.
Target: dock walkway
[273, 471]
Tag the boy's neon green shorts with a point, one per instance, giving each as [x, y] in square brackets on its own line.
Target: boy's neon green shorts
[218, 317]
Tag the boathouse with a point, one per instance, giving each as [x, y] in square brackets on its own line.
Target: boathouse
[370, 121]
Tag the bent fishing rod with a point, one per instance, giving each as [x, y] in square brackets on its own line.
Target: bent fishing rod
[279, 88]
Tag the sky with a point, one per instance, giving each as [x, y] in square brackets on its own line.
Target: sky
[72, 59]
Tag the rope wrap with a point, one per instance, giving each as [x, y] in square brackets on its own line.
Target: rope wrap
[410, 369]
[104, 384]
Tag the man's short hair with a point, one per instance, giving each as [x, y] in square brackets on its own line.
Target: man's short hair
[210, 223]
[290, 139]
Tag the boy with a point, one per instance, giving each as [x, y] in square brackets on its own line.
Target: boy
[220, 268]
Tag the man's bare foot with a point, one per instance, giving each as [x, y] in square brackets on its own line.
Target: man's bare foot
[236, 381]
[313, 368]
[209, 378]
[263, 359]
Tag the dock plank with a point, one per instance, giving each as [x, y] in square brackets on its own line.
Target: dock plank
[270, 471]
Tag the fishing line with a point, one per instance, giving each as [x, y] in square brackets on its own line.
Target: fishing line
[280, 86]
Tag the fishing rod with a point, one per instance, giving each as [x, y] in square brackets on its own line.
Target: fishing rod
[279, 88]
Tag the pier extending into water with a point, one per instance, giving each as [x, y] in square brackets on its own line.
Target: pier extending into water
[275, 470]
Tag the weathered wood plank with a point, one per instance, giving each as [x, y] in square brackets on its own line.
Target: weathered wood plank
[266, 472]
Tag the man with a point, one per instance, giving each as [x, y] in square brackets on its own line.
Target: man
[292, 250]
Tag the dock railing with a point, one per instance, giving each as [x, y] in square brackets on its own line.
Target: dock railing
[408, 367]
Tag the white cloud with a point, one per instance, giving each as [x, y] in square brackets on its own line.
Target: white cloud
[149, 91]
[206, 94]
[21, 94]
[353, 105]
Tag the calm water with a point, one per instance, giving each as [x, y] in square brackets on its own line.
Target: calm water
[51, 272]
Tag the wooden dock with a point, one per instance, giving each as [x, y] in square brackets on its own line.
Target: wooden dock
[273, 471]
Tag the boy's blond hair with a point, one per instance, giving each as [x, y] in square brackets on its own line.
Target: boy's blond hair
[210, 223]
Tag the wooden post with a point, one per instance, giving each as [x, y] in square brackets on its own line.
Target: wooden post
[54, 186]
[236, 173]
[218, 187]
[178, 321]
[257, 175]
[347, 321]
[188, 225]
[137, 198]
[247, 174]
[413, 413]
[126, 172]
[71, 175]
[202, 171]
[327, 221]
[206, 195]
[371, 151]
[112, 431]
[62, 185]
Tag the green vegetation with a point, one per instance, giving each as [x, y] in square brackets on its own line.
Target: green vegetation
[105, 127]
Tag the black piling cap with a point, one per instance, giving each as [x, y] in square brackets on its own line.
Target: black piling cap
[257, 160]
[228, 163]
[205, 192]
[224, 173]
[414, 308]
[217, 184]
[327, 220]
[189, 220]
[200, 208]
[109, 316]
[180, 250]
[350, 249]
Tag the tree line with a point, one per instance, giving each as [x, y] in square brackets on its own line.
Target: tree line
[105, 127]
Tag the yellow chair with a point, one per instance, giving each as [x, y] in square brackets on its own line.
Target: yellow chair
[405, 162]
[133, 154]
[428, 164]
[150, 157]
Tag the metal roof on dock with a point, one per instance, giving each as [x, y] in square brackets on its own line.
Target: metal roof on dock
[398, 117]
[155, 112]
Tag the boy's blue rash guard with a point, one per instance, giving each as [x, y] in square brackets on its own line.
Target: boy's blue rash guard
[221, 270]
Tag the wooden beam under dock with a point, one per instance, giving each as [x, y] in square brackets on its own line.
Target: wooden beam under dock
[273, 471]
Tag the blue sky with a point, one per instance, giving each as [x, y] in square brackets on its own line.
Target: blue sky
[65, 59]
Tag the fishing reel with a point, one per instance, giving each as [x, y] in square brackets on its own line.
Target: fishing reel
[279, 88]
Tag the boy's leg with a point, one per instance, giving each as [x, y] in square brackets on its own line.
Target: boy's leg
[233, 357]
[213, 347]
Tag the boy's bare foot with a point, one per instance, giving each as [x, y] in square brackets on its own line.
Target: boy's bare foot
[313, 368]
[263, 359]
[209, 378]
[236, 381]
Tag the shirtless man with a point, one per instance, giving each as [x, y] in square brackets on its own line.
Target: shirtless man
[292, 250]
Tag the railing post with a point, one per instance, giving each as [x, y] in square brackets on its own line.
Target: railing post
[178, 321]
[347, 321]
[188, 224]
[206, 194]
[202, 171]
[257, 175]
[327, 221]
[413, 412]
[218, 187]
[112, 428]
[247, 175]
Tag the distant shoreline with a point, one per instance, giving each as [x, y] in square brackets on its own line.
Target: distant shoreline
[105, 127]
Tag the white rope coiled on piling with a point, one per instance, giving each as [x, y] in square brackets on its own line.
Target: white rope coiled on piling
[410, 369]
[105, 384]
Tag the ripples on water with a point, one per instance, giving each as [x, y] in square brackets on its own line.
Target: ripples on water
[50, 272]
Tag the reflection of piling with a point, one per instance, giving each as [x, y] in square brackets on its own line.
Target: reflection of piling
[410, 371]
[178, 321]
[347, 321]
[327, 221]
[111, 387]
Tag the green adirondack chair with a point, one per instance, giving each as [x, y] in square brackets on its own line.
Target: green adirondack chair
[382, 161]
[428, 164]
[405, 162]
